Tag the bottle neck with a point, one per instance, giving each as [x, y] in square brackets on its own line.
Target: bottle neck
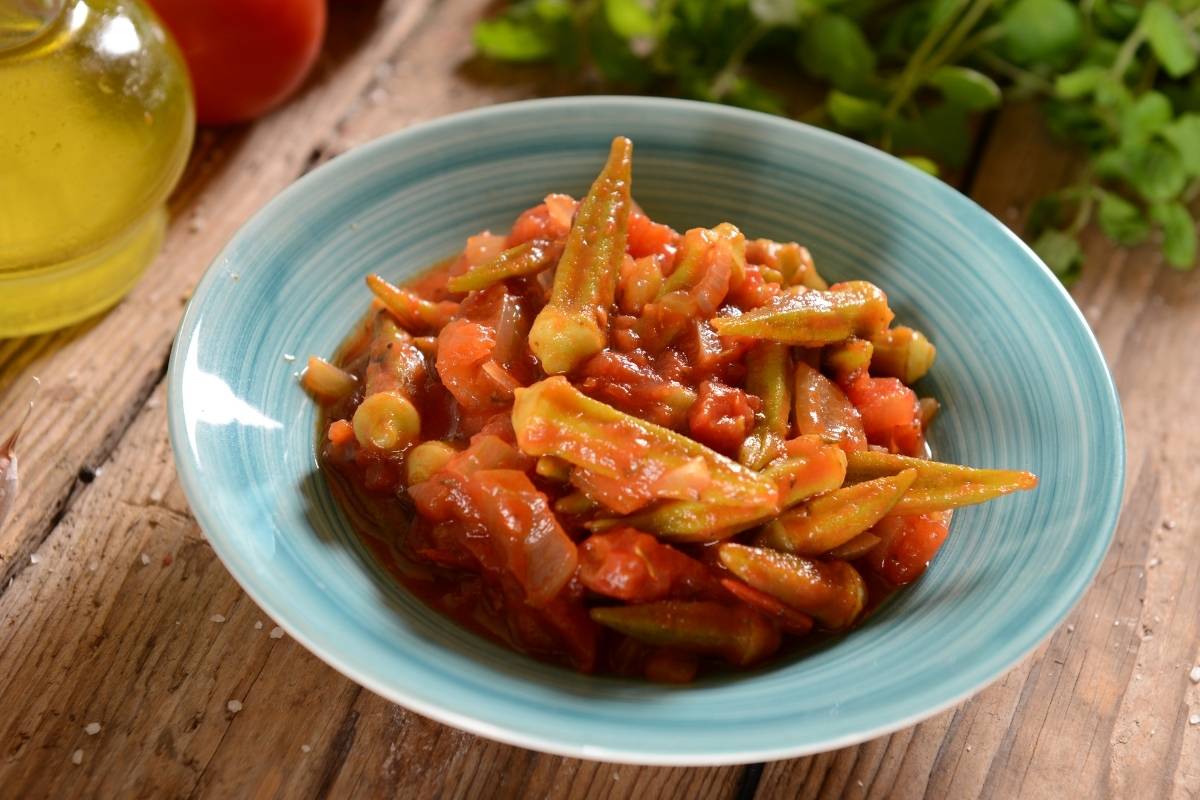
[23, 21]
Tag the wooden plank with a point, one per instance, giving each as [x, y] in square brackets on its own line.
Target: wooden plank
[1101, 709]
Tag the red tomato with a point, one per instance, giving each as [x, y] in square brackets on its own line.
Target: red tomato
[647, 237]
[244, 56]
[907, 545]
[722, 416]
[635, 567]
[890, 413]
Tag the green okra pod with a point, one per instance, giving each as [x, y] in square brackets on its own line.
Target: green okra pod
[809, 317]
[624, 461]
[768, 376]
[573, 325]
[938, 486]
[831, 592]
[831, 520]
[736, 633]
[527, 258]
[903, 353]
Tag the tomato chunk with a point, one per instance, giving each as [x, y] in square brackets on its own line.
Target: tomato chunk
[649, 238]
[722, 416]
[907, 545]
[890, 412]
[629, 565]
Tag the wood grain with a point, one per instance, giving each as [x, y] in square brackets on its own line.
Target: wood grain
[155, 652]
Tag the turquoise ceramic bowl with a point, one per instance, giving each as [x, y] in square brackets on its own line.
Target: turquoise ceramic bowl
[1021, 380]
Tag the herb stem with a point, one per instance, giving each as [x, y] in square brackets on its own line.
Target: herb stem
[724, 79]
[965, 25]
[916, 62]
[1083, 214]
[1128, 50]
[1016, 74]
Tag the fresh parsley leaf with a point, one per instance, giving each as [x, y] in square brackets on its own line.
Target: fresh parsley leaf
[629, 18]
[924, 164]
[1156, 171]
[1121, 220]
[833, 47]
[1184, 135]
[1145, 117]
[1169, 38]
[1079, 83]
[513, 39]
[966, 88]
[1061, 253]
[1041, 30]
[1179, 233]
[852, 113]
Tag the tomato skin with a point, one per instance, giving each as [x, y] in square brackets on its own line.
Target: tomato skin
[245, 56]
[649, 238]
[890, 412]
[635, 567]
[907, 545]
[722, 416]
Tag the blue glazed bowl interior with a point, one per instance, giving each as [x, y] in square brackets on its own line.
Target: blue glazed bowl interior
[1020, 378]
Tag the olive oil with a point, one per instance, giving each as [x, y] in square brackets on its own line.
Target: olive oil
[96, 122]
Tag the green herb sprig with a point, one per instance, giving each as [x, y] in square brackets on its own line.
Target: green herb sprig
[1118, 79]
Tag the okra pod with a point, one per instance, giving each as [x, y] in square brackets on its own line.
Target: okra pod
[833, 519]
[414, 312]
[938, 486]
[425, 459]
[768, 373]
[815, 467]
[822, 409]
[903, 353]
[573, 325]
[708, 264]
[528, 258]
[793, 262]
[810, 318]
[736, 633]
[831, 592]
[848, 358]
[386, 419]
[327, 381]
[552, 417]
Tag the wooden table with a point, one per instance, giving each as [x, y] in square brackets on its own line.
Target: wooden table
[114, 610]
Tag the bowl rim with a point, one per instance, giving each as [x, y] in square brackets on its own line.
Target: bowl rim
[186, 466]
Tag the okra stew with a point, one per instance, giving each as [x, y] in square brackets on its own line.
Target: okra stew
[631, 450]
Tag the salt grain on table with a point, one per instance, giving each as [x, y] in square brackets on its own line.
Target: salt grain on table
[217, 618]
[34, 558]
[234, 706]
[92, 728]
[258, 625]
[305, 748]
[277, 632]
[145, 560]
[1194, 719]
[77, 757]
[1195, 674]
